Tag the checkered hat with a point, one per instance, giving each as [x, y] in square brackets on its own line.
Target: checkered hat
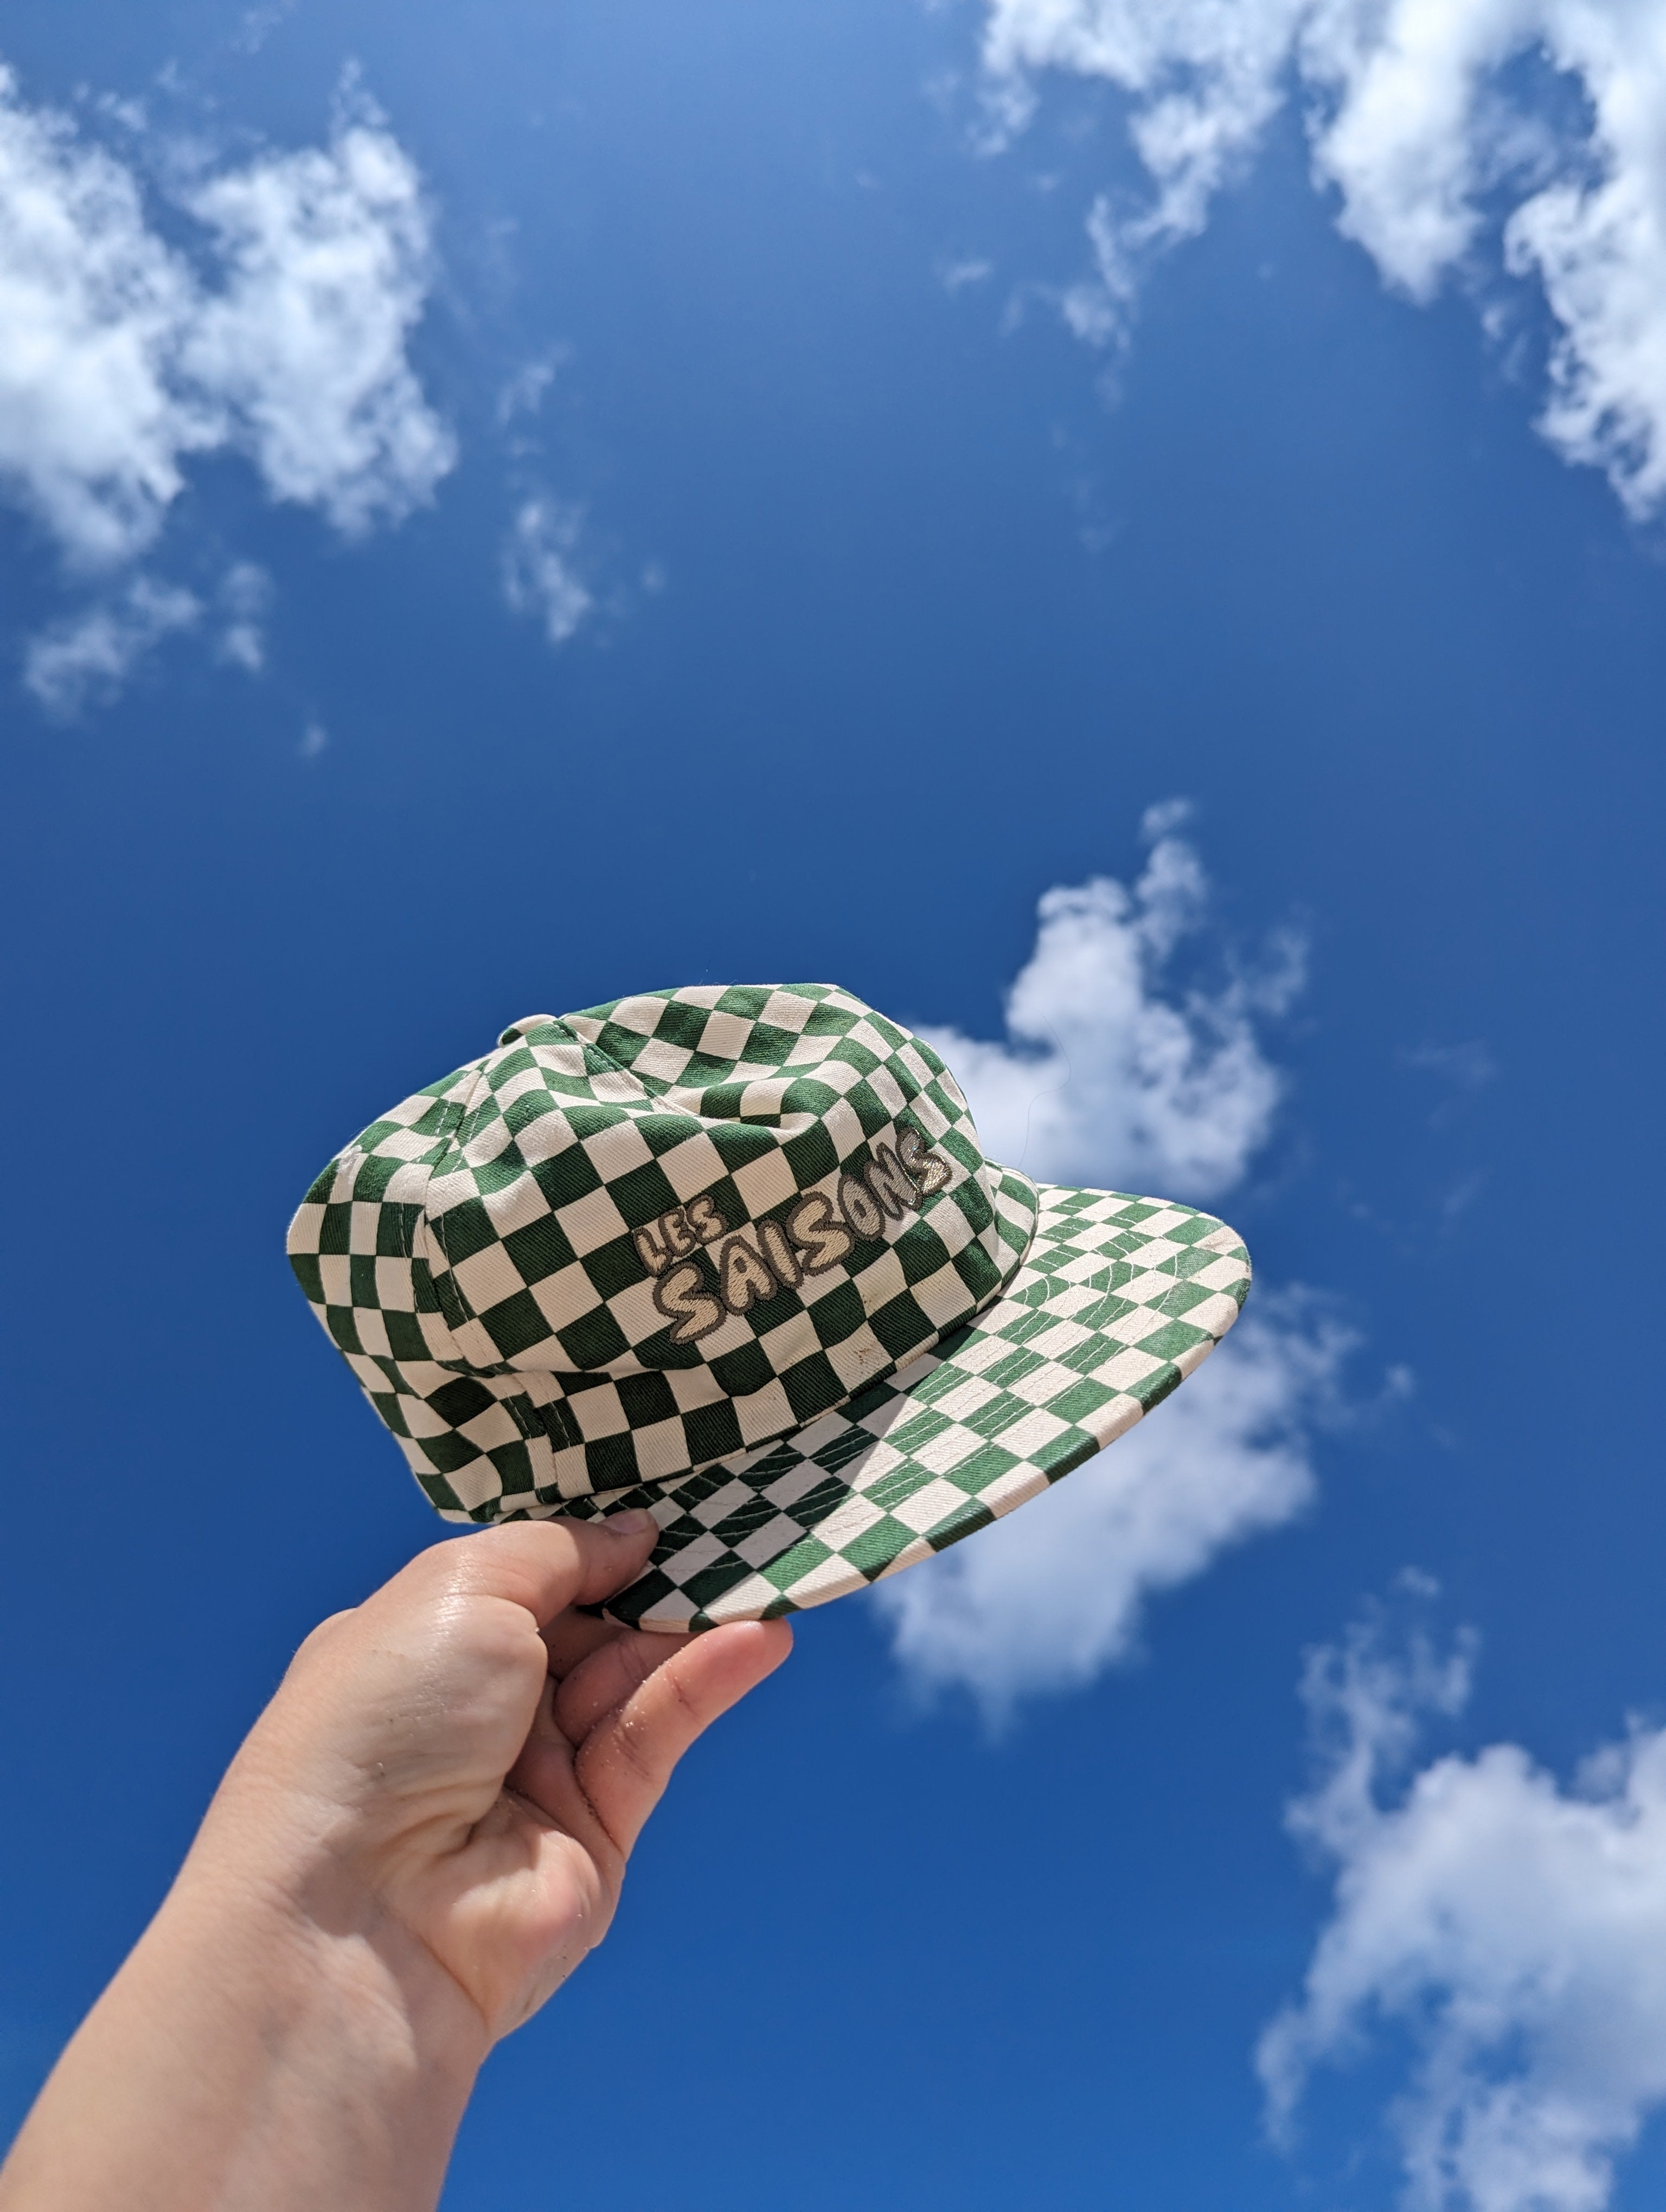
[735, 1255]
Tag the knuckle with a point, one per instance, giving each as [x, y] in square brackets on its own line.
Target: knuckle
[640, 1663]
[690, 1710]
[631, 1747]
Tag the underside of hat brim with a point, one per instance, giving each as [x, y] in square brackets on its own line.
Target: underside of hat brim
[1119, 1299]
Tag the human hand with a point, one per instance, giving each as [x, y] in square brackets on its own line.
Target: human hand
[464, 1760]
[422, 1835]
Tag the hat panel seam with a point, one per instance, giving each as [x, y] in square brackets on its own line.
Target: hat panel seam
[532, 1430]
[870, 1076]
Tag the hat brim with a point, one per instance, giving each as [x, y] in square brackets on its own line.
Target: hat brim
[1117, 1301]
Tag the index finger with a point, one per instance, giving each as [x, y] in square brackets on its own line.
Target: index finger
[626, 1761]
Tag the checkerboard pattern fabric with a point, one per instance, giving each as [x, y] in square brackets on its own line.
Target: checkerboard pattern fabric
[642, 1239]
[735, 1253]
[1119, 1299]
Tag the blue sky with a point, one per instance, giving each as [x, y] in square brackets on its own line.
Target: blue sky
[784, 492]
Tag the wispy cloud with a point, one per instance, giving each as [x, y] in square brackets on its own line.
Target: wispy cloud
[541, 576]
[1047, 1600]
[258, 24]
[87, 658]
[1107, 1077]
[523, 393]
[1449, 156]
[1511, 1931]
[245, 599]
[1466, 1066]
[284, 337]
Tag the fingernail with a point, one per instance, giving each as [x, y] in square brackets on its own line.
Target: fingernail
[636, 1522]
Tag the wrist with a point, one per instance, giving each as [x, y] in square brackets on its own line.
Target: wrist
[267, 2046]
[303, 1916]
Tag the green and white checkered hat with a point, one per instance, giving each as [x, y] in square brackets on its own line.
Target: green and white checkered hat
[735, 1253]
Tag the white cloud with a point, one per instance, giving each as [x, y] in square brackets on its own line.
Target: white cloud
[92, 423]
[1511, 1930]
[1050, 1596]
[1433, 125]
[89, 657]
[121, 356]
[1206, 76]
[326, 268]
[1104, 1081]
[540, 574]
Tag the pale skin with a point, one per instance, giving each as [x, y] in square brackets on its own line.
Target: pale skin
[422, 1835]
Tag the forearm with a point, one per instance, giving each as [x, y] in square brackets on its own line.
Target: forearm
[368, 1906]
[251, 2057]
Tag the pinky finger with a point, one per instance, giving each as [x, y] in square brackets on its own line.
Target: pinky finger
[624, 1763]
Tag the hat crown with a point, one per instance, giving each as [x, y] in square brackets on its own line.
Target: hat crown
[636, 1239]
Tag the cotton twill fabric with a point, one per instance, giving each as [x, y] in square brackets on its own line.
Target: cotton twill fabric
[491, 1258]
[1119, 1299]
[473, 1254]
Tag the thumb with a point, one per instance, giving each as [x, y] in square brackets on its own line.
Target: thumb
[543, 1565]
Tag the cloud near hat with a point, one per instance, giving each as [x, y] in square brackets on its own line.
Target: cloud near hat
[734, 1253]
